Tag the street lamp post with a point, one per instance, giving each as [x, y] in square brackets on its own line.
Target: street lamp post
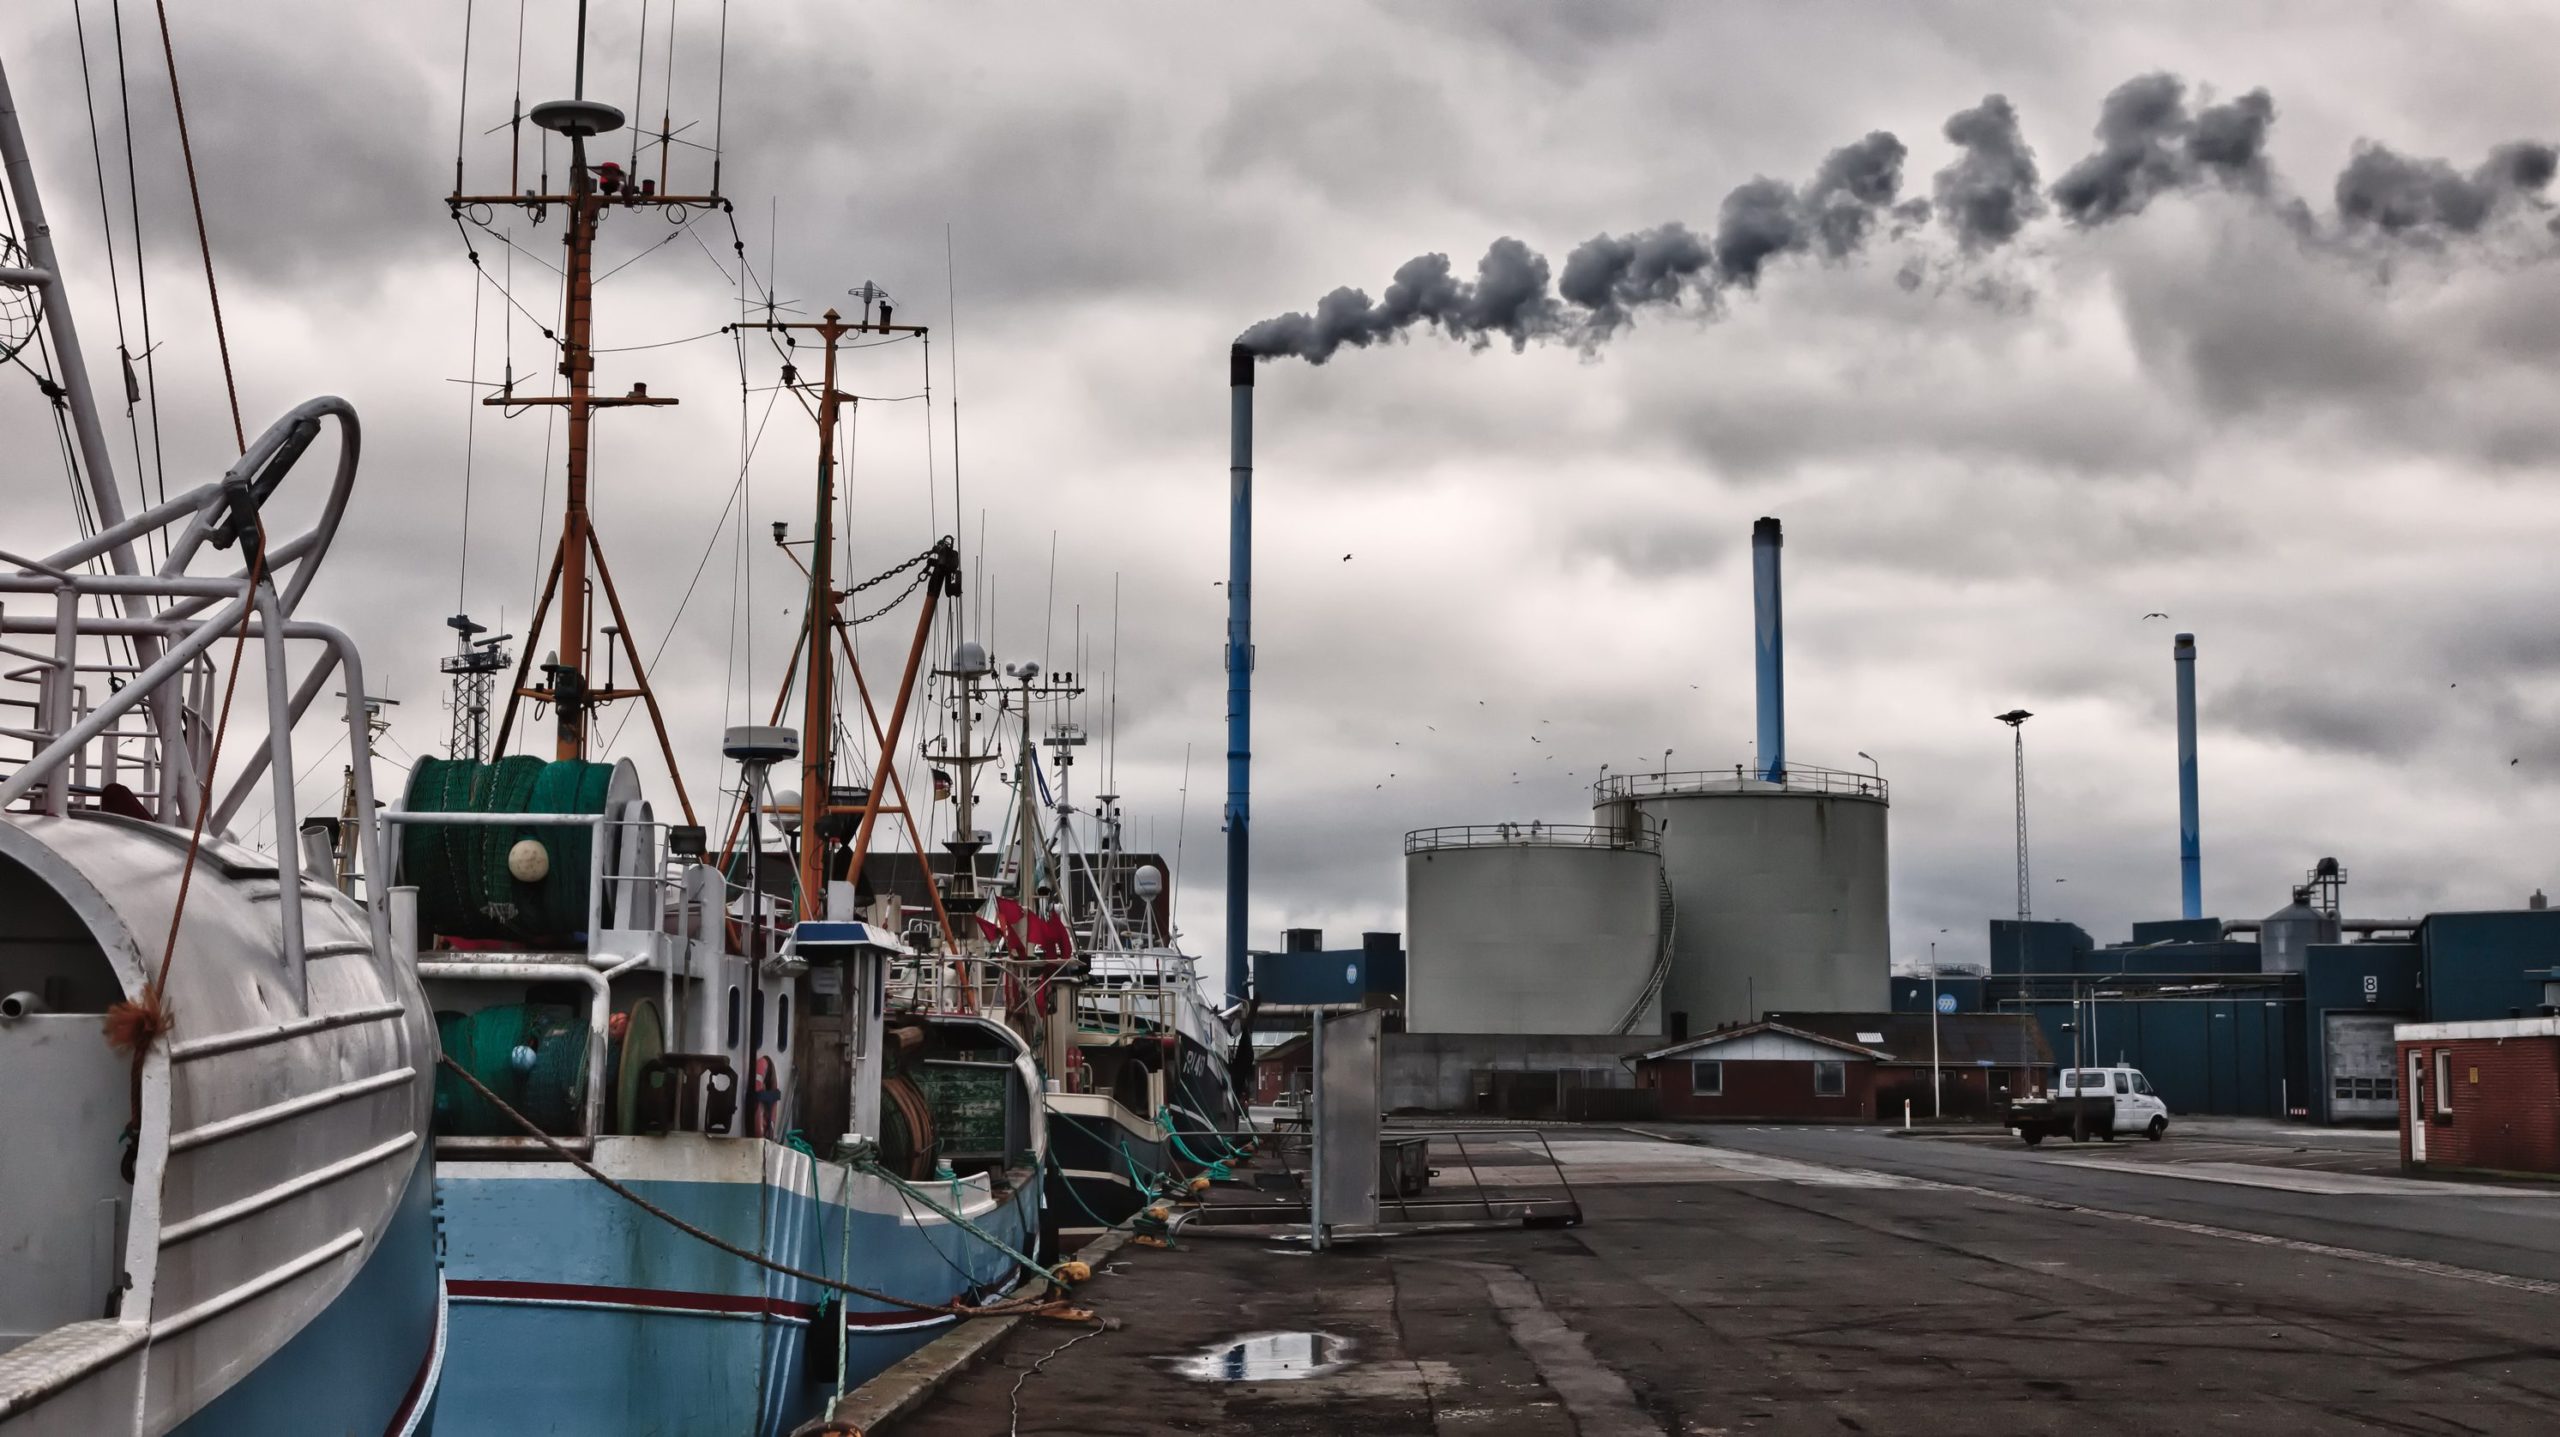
[1937, 1081]
[2016, 719]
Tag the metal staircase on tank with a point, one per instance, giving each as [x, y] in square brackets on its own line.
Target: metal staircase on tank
[1668, 919]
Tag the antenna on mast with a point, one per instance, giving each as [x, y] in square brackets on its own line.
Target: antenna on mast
[578, 568]
[472, 668]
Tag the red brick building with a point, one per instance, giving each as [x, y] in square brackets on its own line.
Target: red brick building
[2483, 1097]
[1762, 1070]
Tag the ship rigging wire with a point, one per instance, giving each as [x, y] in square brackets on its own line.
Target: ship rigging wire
[204, 241]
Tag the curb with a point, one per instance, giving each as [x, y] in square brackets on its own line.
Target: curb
[909, 1381]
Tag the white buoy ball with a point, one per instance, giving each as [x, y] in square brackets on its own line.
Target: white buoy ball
[522, 1057]
[528, 861]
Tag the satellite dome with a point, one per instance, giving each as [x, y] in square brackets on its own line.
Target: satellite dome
[1148, 882]
[970, 658]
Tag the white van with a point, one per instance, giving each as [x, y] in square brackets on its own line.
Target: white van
[2137, 1108]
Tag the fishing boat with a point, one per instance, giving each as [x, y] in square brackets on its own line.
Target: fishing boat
[701, 1169]
[1141, 1099]
[215, 1072]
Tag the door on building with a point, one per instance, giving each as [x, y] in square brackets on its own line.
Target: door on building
[2358, 1055]
[2417, 1105]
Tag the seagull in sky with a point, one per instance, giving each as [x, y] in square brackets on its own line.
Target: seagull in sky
[2155, 614]
[1346, 558]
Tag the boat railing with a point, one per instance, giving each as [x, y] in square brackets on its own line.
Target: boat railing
[1132, 992]
[124, 755]
[985, 986]
[148, 641]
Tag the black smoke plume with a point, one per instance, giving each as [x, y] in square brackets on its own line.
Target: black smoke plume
[2152, 142]
[2149, 144]
[1988, 194]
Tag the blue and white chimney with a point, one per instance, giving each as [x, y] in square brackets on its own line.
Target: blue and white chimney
[1239, 661]
[2182, 654]
[1769, 651]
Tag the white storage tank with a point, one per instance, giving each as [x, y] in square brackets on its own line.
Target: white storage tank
[1533, 928]
[1779, 886]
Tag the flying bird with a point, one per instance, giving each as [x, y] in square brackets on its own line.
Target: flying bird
[1346, 558]
[2155, 614]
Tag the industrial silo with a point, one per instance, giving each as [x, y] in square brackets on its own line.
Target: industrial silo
[1777, 870]
[1549, 929]
[1779, 886]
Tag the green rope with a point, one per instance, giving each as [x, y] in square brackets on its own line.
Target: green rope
[1070, 1185]
[873, 1166]
[1232, 1152]
[1216, 1169]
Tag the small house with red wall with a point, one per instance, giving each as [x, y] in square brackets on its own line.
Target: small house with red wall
[1762, 1070]
[2480, 1097]
[1285, 1068]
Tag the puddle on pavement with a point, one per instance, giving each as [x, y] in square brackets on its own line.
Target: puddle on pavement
[1268, 1357]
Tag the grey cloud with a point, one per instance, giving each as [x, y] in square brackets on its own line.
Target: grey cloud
[2328, 717]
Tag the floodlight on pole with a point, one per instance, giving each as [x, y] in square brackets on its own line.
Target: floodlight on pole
[2016, 719]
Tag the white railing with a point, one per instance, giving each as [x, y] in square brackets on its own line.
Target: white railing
[172, 621]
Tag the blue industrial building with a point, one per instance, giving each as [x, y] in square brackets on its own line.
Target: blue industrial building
[2279, 1018]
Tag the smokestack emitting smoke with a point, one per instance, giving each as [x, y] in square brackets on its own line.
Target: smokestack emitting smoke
[1769, 649]
[1239, 658]
[2151, 142]
[2182, 654]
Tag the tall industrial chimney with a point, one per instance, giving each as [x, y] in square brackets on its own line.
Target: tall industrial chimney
[1769, 649]
[1239, 659]
[2190, 848]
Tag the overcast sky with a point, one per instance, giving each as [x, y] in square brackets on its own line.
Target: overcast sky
[2321, 439]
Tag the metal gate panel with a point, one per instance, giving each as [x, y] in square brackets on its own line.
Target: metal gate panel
[1347, 1120]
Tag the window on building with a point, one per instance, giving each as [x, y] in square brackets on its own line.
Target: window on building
[2444, 1082]
[1706, 1079]
[1830, 1080]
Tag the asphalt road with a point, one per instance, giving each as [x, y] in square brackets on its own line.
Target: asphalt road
[2247, 1184]
[1829, 1282]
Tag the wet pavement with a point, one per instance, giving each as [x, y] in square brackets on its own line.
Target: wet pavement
[1828, 1282]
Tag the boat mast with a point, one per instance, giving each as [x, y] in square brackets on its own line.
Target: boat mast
[43, 273]
[818, 699]
[178, 793]
[568, 684]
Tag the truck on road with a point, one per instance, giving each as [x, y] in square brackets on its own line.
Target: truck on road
[2102, 1103]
